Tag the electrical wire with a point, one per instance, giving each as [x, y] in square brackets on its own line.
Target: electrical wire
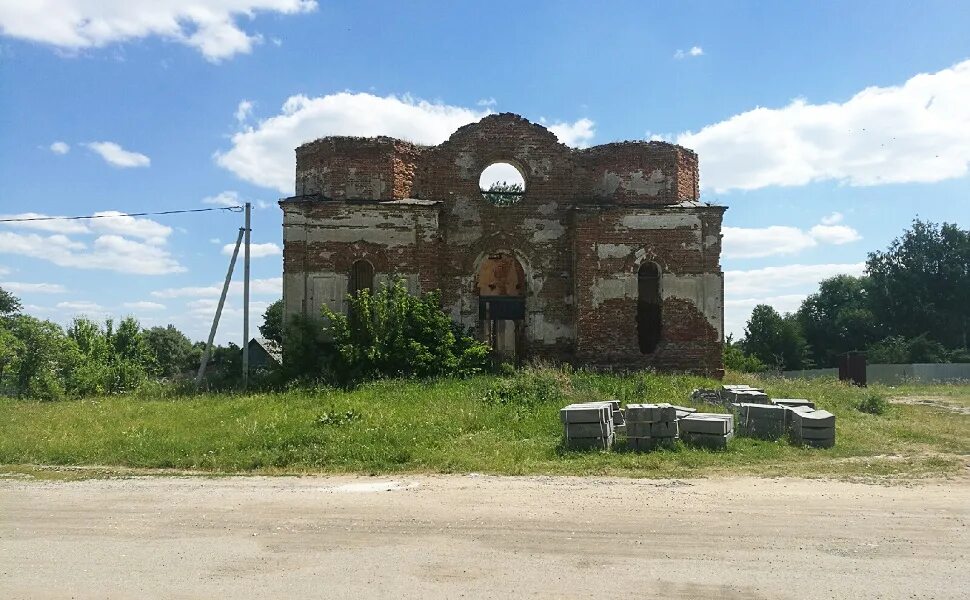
[142, 214]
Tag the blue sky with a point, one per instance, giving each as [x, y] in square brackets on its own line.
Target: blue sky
[825, 127]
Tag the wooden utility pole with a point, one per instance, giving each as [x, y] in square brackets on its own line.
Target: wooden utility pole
[245, 349]
[215, 320]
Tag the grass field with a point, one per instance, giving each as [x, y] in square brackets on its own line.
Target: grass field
[496, 425]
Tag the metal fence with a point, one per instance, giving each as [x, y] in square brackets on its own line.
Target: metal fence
[896, 374]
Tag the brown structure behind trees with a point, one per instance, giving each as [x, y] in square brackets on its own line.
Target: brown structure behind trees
[607, 259]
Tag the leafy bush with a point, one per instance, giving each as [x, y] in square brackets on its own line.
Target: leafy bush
[530, 386]
[394, 334]
[873, 403]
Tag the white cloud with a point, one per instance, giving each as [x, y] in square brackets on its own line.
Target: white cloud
[244, 110]
[758, 242]
[19, 287]
[60, 148]
[271, 286]
[487, 102]
[81, 306]
[215, 241]
[263, 154]
[500, 173]
[115, 155]
[694, 51]
[915, 132]
[577, 134]
[226, 198]
[207, 25]
[144, 305]
[109, 221]
[4, 270]
[109, 252]
[54, 226]
[768, 281]
[255, 250]
[834, 234]
[833, 218]
[783, 287]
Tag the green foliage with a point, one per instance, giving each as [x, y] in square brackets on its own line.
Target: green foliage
[272, 327]
[776, 340]
[873, 403]
[921, 284]
[529, 387]
[173, 353]
[395, 334]
[307, 352]
[736, 360]
[44, 358]
[837, 319]
[504, 196]
[9, 304]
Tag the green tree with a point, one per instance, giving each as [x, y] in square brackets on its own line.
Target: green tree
[921, 284]
[173, 353]
[47, 356]
[504, 193]
[395, 334]
[9, 304]
[736, 360]
[272, 327]
[837, 319]
[776, 340]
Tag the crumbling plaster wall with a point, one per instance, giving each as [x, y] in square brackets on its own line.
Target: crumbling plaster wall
[587, 220]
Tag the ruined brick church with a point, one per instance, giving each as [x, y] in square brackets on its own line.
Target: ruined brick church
[606, 258]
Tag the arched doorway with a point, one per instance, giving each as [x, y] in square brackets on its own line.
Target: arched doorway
[361, 277]
[501, 304]
[649, 305]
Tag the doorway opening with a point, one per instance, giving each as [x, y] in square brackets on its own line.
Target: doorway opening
[501, 305]
[648, 307]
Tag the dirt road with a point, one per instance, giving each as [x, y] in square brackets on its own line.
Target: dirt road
[482, 537]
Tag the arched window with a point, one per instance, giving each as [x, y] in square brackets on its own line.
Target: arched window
[361, 277]
[502, 184]
[648, 307]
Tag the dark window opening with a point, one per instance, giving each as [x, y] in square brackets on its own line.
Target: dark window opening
[361, 277]
[648, 307]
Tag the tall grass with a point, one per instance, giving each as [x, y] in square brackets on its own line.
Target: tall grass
[485, 424]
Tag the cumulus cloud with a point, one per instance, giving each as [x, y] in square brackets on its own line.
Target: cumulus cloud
[115, 155]
[577, 134]
[263, 154]
[210, 26]
[271, 286]
[783, 287]
[833, 218]
[915, 132]
[144, 305]
[19, 287]
[108, 252]
[758, 242]
[81, 306]
[243, 111]
[255, 250]
[694, 51]
[227, 198]
[60, 148]
[108, 221]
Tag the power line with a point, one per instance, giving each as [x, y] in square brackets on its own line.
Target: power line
[114, 215]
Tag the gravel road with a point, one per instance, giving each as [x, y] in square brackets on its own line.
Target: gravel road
[482, 537]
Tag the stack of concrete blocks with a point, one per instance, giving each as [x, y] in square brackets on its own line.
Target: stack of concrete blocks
[815, 428]
[792, 402]
[762, 421]
[743, 393]
[708, 430]
[683, 411]
[588, 425]
[708, 396]
[619, 422]
[650, 426]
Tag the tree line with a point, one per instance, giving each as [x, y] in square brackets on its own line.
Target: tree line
[911, 305]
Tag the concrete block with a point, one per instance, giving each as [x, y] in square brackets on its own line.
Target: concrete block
[579, 413]
[751, 396]
[650, 413]
[709, 423]
[646, 444]
[764, 421]
[816, 418]
[603, 443]
[663, 429]
[793, 402]
[790, 412]
[618, 418]
[587, 430]
[707, 440]
[814, 433]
